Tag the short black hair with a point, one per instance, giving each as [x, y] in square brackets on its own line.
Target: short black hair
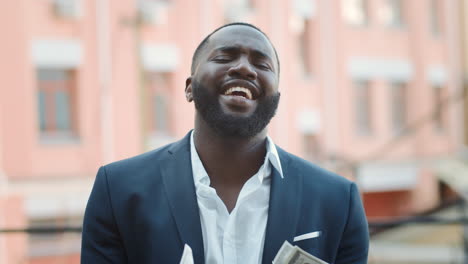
[203, 43]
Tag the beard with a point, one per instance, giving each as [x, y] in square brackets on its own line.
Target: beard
[227, 125]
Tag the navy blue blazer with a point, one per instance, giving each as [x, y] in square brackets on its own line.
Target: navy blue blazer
[144, 209]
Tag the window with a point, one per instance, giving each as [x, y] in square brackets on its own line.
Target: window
[305, 48]
[311, 144]
[250, 4]
[67, 8]
[159, 95]
[439, 116]
[398, 106]
[363, 107]
[355, 12]
[153, 12]
[392, 13]
[160, 113]
[56, 102]
[239, 10]
[435, 17]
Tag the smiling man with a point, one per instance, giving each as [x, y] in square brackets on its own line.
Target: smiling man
[225, 189]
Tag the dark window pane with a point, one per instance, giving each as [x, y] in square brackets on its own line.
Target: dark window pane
[52, 75]
[305, 48]
[438, 113]
[42, 110]
[311, 145]
[435, 16]
[160, 113]
[363, 107]
[158, 103]
[399, 106]
[55, 89]
[62, 114]
[392, 13]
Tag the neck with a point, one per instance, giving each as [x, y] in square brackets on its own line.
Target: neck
[229, 159]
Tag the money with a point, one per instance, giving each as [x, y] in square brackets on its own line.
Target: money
[284, 253]
[289, 254]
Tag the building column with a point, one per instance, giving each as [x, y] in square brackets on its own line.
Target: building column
[13, 246]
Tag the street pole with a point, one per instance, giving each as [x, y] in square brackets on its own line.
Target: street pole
[464, 85]
[464, 215]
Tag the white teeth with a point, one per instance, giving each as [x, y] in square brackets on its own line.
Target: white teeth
[239, 89]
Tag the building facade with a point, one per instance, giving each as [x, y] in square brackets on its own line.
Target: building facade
[369, 89]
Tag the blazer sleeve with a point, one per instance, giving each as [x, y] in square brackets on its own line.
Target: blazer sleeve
[354, 245]
[101, 241]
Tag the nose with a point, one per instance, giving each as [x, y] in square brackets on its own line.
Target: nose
[243, 69]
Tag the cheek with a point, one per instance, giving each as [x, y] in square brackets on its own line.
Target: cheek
[269, 82]
[213, 74]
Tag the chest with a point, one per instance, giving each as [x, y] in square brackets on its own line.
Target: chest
[236, 235]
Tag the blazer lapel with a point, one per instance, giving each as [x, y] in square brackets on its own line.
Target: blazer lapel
[180, 190]
[284, 208]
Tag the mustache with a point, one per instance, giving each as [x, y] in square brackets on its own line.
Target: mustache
[208, 106]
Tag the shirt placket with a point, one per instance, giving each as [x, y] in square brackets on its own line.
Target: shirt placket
[229, 239]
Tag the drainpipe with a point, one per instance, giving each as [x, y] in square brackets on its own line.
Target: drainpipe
[104, 79]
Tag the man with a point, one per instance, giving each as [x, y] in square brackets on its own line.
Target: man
[225, 189]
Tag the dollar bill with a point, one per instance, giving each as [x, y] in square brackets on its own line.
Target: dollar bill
[284, 253]
[289, 254]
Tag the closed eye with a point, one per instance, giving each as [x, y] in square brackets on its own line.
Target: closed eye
[222, 59]
[263, 66]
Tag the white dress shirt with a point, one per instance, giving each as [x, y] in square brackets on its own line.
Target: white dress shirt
[237, 237]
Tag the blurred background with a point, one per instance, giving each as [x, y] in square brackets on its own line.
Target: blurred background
[371, 89]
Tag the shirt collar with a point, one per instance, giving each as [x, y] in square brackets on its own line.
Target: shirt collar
[273, 156]
[201, 176]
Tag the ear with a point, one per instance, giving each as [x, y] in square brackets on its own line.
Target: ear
[188, 89]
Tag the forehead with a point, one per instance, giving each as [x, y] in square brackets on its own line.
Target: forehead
[243, 37]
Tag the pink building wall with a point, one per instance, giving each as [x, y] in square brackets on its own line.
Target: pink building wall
[53, 178]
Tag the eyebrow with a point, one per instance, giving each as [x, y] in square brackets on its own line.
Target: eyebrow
[233, 49]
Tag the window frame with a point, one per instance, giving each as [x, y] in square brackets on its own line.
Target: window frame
[158, 86]
[52, 82]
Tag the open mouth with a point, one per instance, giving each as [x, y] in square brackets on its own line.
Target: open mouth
[239, 91]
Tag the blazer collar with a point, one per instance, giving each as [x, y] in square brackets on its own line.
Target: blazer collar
[180, 189]
[284, 207]
[283, 212]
